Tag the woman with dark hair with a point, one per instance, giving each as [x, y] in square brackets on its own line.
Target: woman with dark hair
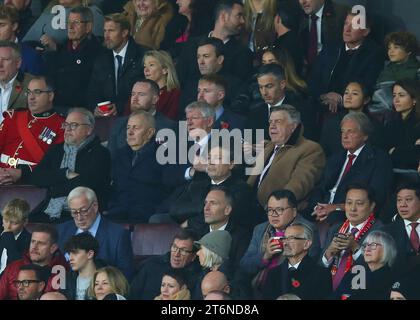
[194, 18]
[356, 98]
[174, 286]
[403, 132]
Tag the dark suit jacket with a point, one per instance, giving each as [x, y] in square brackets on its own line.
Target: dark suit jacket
[309, 282]
[15, 248]
[373, 166]
[229, 120]
[332, 23]
[405, 253]
[138, 189]
[102, 81]
[70, 71]
[190, 203]
[258, 115]
[93, 164]
[365, 64]
[118, 137]
[146, 283]
[238, 60]
[114, 243]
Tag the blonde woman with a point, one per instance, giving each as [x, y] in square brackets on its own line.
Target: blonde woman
[148, 20]
[259, 23]
[159, 67]
[108, 283]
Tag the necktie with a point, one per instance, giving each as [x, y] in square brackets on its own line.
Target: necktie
[265, 170]
[313, 40]
[349, 164]
[119, 70]
[119, 66]
[414, 237]
[341, 270]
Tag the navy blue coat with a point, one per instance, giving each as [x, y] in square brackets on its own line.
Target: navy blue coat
[114, 244]
[136, 190]
[102, 81]
[373, 166]
[229, 120]
[365, 64]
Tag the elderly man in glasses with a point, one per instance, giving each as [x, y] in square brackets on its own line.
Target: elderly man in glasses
[114, 241]
[80, 161]
[26, 135]
[146, 284]
[299, 274]
[264, 252]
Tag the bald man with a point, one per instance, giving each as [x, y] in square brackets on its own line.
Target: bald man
[53, 296]
[214, 281]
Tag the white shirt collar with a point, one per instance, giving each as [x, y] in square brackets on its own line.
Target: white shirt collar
[9, 84]
[296, 266]
[320, 12]
[359, 226]
[407, 222]
[221, 228]
[355, 48]
[220, 182]
[204, 140]
[122, 52]
[357, 152]
[278, 104]
[211, 36]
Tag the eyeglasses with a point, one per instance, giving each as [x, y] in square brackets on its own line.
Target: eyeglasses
[292, 238]
[372, 245]
[275, 212]
[24, 283]
[182, 251]
[81, 212]
[36, 92]
[72, 125]
[76, 22]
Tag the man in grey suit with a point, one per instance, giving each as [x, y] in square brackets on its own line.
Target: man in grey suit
[144, 96]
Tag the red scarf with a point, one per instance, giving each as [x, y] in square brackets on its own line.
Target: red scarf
[369, 222]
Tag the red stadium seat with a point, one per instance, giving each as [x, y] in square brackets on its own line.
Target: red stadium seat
[33, 195]
[152, 239]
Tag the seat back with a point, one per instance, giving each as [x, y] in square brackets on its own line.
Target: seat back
[33, 195]
[151, 240]
[103, 127]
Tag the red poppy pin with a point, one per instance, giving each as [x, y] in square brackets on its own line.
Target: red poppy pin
[18, 89]
[295, 283]
[224, 125]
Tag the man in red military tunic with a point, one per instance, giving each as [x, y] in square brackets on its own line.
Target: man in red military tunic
[26, 135]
